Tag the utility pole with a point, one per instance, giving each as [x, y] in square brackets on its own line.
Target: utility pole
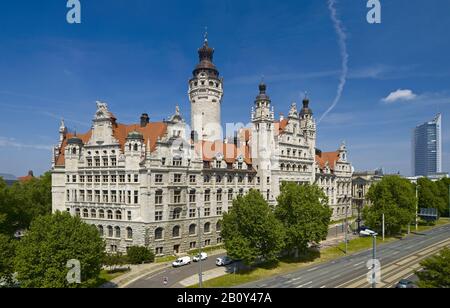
[200, 275]
[374, 257]
[383, 226]
[346, 226]
[417, 207]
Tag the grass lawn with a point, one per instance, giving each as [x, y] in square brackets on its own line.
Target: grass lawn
[106, 276]
[287, 265]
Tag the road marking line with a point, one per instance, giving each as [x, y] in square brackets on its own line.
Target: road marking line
[407, 260]
[312, 269]
[358, 264]
[304, 285]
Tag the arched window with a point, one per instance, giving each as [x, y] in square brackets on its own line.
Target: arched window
[282, 167]
[85, 213]
[118, 215]
[110, 214]
[176, 231]
[193, 229]
[129, 233]
[159, 234]
[135, 147]
[219, 226]
[117, 232]
[101, 214]
[177, 213]
[74, 151]
[207, 227]
[110, 231]
[101, 231]
[93, 213]
[305, 169]
[129, 147]
[77, 212]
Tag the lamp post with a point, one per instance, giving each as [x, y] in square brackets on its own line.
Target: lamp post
[200, 271]
[346, 224]
[417, 207]
[374, 257]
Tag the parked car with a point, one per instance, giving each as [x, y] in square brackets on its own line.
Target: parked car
[223, 261]
[405, 284]
[182, 262]
[366, 232]
[203, 256]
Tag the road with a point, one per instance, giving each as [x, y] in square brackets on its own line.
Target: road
[173, 275]
[398, 260]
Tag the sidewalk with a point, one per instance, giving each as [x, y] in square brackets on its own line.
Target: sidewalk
[208, 275]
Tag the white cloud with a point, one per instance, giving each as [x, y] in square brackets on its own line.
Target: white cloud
[10, 142]
[400, 95]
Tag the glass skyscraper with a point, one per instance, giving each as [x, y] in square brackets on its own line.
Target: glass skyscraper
[427, 148]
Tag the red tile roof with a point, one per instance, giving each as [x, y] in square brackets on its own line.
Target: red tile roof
[330, 157]
[151, 133]
[26, 178]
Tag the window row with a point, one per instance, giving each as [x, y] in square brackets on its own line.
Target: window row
[103, 196]
[289, 167]
[176, 231]
[121, 178]
[101, 161]
[177, 196]
[115, 232]
[102, 214]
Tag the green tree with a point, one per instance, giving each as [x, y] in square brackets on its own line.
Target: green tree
[52, 241]
[305, 214]
[251, 231]
[436, 271]
[115, 260]
[139, 255]
[394, 197]
[433, 195]
[443, 193]
[9, 212]
[7, 252]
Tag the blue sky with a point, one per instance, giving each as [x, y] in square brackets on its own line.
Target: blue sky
[138, 55]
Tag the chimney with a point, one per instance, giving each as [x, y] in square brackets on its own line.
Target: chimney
[145, 119]
[30, 173]
[236, 139]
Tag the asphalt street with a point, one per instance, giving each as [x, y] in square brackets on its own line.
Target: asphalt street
[173, 275]
[398, 260]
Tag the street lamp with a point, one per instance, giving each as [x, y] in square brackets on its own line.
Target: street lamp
[346, 224]
[374, 257]
[417, 207]
[200, 274]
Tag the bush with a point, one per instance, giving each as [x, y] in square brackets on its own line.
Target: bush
[140, 255]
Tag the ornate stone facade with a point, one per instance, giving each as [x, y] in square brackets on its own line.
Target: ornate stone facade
[144, 184]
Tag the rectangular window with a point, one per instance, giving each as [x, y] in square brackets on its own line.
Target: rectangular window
[89, 195]
[177, 197]
[219, 211]
[177, 162]
[68, 179]
[207, 196]
[82, 178]
[82, 196]
[192, 179]
[105, 179]
[207, 243]
[89, 178]
[113, 161]
[163, 161]
[129, 197]
[177, 178]
[192, 213]
[158, 178]
[192, 245]
[129, 216]
[207, 212]
[97, 196]
[158, 216]
[129, 178]
[74, 178]
[192, 197]
[218, 164]
[113, 178]
[97, 162]
[219, 196]
[230, 195]
[136, 178]
[136, 197]
[113, 196]
[159, 197]
[159, 250]
[97, 179]
[68, 195]
[105, 196]
[105, 161]
[89, 162]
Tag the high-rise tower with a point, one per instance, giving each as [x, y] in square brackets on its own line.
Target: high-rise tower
[427, 148]
[205, 95]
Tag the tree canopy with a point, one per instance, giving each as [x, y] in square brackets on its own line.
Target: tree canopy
[52, 241]
[305, 214]
[251, 231]
[394, 197]
[436, 271]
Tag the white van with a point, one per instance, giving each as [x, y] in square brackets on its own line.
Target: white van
[182, 262]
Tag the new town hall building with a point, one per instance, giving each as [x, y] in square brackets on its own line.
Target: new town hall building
[144, 184]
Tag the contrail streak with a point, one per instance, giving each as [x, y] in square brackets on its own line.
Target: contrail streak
[342, 37]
